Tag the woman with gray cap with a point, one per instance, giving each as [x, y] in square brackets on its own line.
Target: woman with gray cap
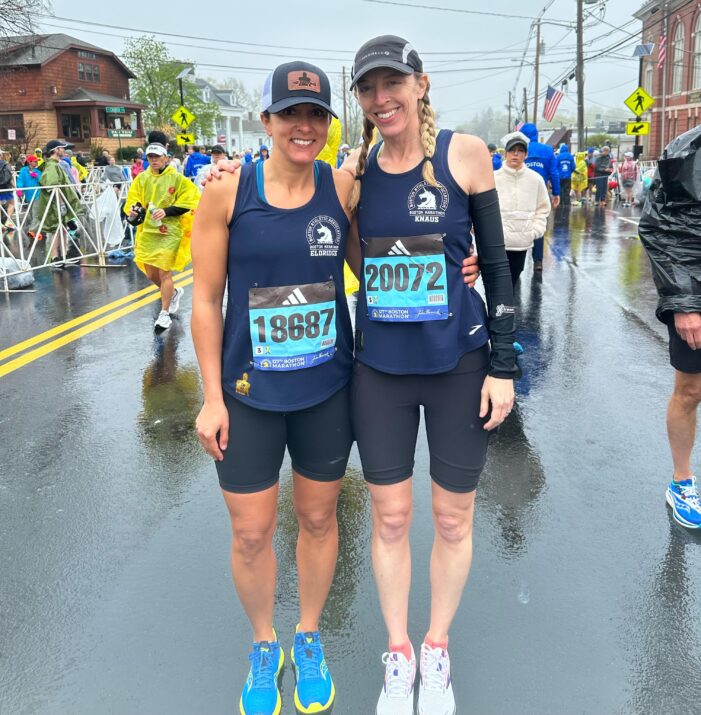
[424, 339]
[276, 372]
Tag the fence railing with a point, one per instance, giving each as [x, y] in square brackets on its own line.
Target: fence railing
[38, 233]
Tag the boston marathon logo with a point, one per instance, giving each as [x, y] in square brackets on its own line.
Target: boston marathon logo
[428, 204]
[323, 236]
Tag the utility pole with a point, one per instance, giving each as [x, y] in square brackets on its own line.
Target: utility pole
[345, 107]
[510, 125]
[537, 72]
[663, 122]
[580, 75]
[525, 106]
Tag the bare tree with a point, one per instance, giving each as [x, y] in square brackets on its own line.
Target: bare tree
[355, 113]
[18, 18]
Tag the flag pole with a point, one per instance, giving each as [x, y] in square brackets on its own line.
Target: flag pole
[663, 124]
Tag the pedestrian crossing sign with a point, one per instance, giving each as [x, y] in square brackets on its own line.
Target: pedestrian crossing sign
[184, 139]
[183, 117]
[637, 129]
[639, 102]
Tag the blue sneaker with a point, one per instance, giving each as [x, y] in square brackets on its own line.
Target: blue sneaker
[683, 497]
[261, 693]
[314, 690]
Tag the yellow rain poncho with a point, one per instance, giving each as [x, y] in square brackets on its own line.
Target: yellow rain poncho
[166, 246]
[579, 175]
[329, 154]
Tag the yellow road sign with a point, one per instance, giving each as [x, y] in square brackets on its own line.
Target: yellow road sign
[639, 102]
[183, 117]
[184, 139]
[637, 129]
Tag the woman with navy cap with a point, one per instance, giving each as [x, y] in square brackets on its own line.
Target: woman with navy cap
[276, 372]
[424, 339]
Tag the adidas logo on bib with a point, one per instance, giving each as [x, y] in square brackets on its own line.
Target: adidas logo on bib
[399, 249]
[295, 298]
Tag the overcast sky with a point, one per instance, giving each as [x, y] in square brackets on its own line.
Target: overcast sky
[472, 59]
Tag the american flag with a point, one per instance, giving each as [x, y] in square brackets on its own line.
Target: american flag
[661, 51]
[518, 123]
[553, 97]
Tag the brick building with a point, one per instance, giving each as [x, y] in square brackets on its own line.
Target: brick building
[676, 85]
[57, 86]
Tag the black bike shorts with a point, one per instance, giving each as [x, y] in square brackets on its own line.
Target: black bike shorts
[318, 439]
[385, 411]
[681, 356]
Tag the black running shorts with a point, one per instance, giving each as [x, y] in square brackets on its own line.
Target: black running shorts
[681, 356]
[385, 412]
[318, 439]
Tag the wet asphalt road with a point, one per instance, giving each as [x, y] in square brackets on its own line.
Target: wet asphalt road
[115, 593]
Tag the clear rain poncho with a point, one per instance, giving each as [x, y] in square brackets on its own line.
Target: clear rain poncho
[670, 226]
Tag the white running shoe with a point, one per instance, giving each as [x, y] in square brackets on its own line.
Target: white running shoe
[397, 696]
[436, 689]
[163, 321]
[175, 301]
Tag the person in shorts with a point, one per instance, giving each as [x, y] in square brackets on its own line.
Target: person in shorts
[423, 340]
[276, 372]
[669, 230]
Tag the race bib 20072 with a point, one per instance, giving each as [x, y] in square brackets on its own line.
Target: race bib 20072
[292, 327]
[405, 279]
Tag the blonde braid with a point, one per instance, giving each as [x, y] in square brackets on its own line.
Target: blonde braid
[368, 132]
[428, 136]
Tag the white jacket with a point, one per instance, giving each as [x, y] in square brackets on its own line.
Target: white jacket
[525, 206]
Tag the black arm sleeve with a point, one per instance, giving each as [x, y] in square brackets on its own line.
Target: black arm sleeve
[175, 211]
[486, 219]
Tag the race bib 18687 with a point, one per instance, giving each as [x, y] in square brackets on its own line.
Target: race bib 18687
[292, 327]
[405, 279]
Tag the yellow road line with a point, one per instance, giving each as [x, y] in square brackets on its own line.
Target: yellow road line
[41, 337]
[42, 350]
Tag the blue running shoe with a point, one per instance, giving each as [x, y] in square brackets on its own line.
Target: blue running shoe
[683, 497]
[261, 693]
[314, 690]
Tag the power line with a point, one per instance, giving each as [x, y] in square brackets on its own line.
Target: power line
[453, 9]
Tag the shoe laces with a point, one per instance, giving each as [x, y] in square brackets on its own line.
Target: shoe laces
[262, 666]
[689, 493]
[309, 655]
[435, 668]
[398, 675]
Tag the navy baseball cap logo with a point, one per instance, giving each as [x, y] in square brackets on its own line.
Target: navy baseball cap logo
[303, 80]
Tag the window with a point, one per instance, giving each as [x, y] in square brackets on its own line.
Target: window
[11, 125]
[81, 71]
[678, 59]
[88, 73]
[87, 55]
[96, 73]
[696, 77]
[649, 76]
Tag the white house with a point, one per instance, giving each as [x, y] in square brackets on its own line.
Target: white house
[237, 128]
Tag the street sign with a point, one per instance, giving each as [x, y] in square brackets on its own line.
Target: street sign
[184, 139]
[183, 117]
[639, 102]
[115, 110]
[637, 129]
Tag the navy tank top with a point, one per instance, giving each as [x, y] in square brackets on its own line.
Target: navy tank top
[287, 335]
[415, 314]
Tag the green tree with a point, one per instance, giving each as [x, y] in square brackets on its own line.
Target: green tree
[238, 91]
[489, 125]
[601, 139]
[156, 86]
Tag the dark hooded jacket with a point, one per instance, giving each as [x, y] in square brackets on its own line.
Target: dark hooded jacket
[541, 158]
[670, 226]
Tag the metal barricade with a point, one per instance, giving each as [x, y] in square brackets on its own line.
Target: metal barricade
[91, 231]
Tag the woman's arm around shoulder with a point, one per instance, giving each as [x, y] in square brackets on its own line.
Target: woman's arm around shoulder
[343, 181]
[470, 163]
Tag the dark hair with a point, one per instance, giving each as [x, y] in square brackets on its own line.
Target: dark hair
[156, 137]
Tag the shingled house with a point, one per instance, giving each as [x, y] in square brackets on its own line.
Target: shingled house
[57, 86]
